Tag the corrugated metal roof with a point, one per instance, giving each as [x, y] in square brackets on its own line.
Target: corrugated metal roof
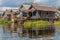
[45, 8]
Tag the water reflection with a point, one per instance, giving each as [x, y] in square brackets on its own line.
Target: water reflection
[17, 32]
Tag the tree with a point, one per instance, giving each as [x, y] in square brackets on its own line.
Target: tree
[58, 8]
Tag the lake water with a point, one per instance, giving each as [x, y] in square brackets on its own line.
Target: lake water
[14, 32]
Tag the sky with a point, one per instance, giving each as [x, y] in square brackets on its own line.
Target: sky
[17, 3]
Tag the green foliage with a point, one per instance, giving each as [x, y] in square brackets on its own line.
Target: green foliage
[37, 24]
[57, 23]
[5, 21]
[58, 8]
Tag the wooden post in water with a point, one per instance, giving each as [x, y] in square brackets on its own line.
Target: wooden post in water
[36, 32]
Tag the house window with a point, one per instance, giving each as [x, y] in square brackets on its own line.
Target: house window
[34, 13]
[9, 16]
[47, 13]
[22, 13]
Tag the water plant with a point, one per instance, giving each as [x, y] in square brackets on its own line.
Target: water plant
[5, 21]
[36, 24]
[57, 23]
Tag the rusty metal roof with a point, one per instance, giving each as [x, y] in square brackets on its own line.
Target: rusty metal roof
[45, 8]
[40, 8]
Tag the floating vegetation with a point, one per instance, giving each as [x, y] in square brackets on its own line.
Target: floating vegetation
[37, 24]
[57, 23]
[5, 21]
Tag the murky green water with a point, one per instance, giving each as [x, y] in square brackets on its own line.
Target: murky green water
[15, 32]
